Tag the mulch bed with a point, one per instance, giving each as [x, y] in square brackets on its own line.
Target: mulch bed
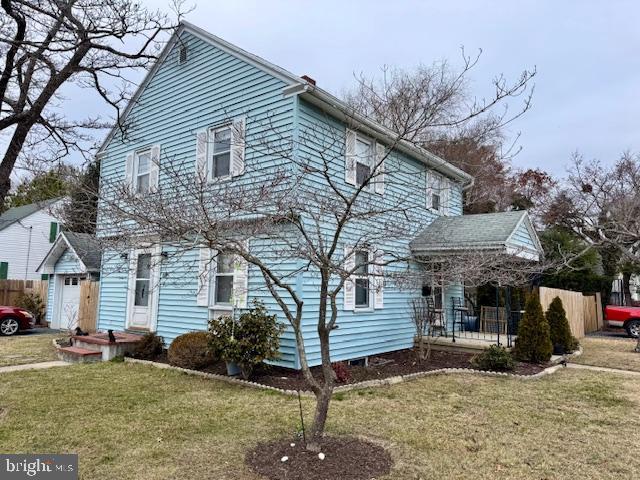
[346, 458]
[401, 362]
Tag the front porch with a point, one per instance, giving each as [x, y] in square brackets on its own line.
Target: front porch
[469, 266]
[467, 344]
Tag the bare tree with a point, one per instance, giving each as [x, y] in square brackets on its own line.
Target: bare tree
[433, 106]
[300, 214]
[601, 204]
[46, 45]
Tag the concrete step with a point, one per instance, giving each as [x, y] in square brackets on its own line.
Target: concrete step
[99, 342]
[79, 355]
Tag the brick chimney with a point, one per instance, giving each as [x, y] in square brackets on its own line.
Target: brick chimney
[308, 79]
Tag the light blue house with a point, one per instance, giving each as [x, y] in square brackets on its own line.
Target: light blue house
[203, 105]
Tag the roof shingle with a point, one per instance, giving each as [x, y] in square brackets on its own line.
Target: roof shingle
[485, 230]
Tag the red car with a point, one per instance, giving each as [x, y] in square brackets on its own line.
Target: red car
[624, 317]
[14, 319]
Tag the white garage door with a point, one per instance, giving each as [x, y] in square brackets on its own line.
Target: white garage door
[69, 302]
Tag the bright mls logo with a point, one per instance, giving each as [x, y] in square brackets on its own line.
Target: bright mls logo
[50, 467]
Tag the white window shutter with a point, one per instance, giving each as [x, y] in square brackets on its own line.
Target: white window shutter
[240, 281]
[131, 283]
[155, 284]
[446, 197]
[128, 176]
[237, 147]
[350, 158]
[350, 284]
[378, 280]
[202, 139]
[378, 184]
[429, 190]
[204, 276]
[154, 168]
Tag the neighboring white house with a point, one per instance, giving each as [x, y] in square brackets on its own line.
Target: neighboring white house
[26, 235]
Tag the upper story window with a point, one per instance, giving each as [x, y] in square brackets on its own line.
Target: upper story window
[364, 158]
[437, 193]
[143, 170]
[361, 272]
[223, 280]
[220, 160]
[364, 162]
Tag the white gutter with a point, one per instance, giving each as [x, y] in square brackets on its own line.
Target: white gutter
[336, 107]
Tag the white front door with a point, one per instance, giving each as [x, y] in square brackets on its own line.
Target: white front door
[69, 302]
[140, 295]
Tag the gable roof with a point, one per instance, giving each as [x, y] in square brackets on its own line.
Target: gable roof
[485, 231]
[295, 86]
[16, 214]
[83, 246]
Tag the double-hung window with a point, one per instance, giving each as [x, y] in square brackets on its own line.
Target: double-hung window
[435, 191]
[361, 273]
[223, 280]
[220, 157]
[364, 159]
[143, 169]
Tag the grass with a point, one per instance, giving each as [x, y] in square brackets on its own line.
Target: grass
[133, 421]
[609, 353]
[27, 348]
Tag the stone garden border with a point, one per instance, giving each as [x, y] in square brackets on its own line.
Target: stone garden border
[360, 385]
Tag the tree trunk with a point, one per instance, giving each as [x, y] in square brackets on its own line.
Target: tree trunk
[323, 395]
[626, 289]
[314, 441]
[11, 155]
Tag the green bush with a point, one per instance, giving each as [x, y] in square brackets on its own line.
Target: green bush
[191, 350]
[251, 339]
[561, 338]
[534, 340]
[34, 304]
[494, 358]
[149, 347]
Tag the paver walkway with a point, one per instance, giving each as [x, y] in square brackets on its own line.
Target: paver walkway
[33, 366]
[601, 369]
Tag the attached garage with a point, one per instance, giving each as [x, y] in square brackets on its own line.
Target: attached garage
[73, 259]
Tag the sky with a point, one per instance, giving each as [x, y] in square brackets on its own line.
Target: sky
[586, 53]
[587, 89]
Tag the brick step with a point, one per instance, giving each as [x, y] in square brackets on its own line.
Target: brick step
[79, 355]
[103, 338]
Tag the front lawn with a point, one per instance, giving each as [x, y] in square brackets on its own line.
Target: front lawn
[603, 352]
[134, 421]
[27, 348]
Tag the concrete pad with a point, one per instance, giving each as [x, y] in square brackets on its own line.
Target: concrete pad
[602, 369]
[33, 366]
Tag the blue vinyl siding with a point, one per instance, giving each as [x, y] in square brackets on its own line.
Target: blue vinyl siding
[211, 87]
[68, 263]
[522, 238]
[375, 331]
[113, 292]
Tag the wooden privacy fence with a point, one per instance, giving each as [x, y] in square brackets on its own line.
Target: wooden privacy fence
[11, 290]
[584, 311]
[88, 308]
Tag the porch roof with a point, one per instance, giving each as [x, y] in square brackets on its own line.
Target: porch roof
[509, 232]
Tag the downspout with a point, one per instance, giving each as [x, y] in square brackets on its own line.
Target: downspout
[30, 228]
[296, 148]
[26, 268]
